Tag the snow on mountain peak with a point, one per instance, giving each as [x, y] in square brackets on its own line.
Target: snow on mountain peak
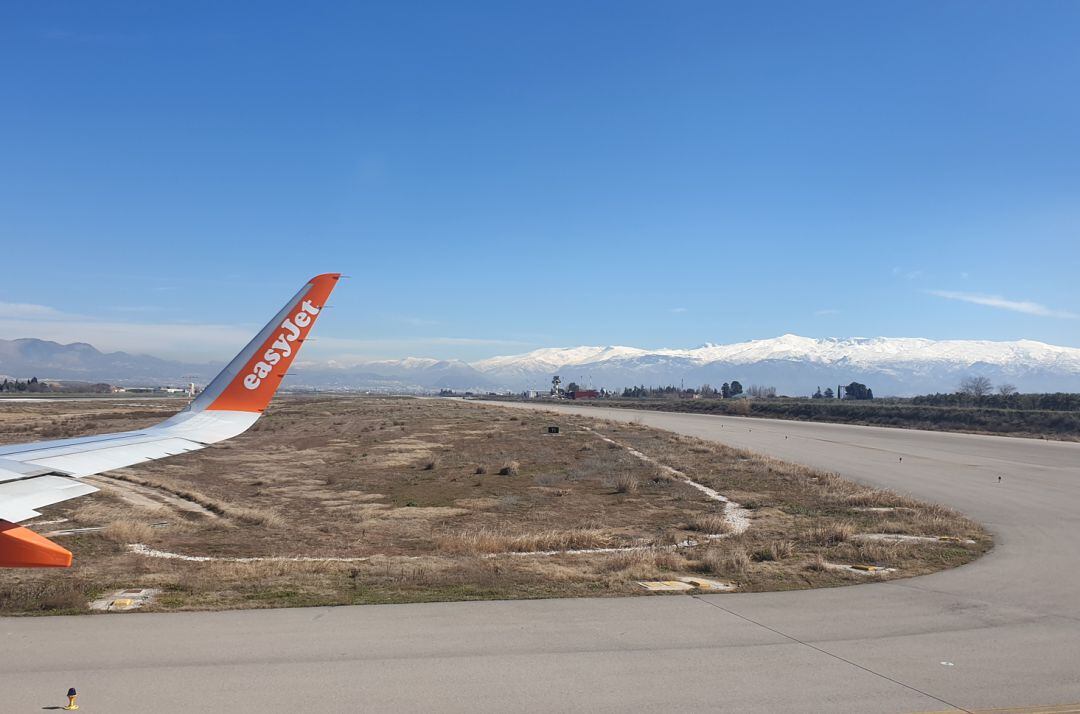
[869, 350]
[792, 363]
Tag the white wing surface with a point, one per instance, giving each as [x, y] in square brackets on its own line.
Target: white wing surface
[46, 472]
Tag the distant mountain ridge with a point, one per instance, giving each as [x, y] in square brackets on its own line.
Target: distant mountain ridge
[28, 357]
[794, 365]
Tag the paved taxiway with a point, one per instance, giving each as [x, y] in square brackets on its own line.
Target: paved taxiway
[1003, 631]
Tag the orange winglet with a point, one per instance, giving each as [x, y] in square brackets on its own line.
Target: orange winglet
[23, 548]
[253, 387]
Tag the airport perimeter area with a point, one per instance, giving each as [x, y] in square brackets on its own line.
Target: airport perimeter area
[998, 632]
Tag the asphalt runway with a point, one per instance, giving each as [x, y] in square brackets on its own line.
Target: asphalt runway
[1003, 631]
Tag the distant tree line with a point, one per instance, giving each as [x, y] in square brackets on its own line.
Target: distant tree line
[1056, 401]
[1047, 415]
[30, 385]
[726, 391]
[979, 391]
[35, 386]
[853, 391]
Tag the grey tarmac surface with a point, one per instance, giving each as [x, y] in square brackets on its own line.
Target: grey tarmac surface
[1001, 632]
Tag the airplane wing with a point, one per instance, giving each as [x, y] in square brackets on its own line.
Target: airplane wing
[46, 472]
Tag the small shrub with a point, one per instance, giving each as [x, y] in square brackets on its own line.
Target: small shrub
[510, 468]
[256, 516]
[509, 501]
[626, 483]
[547, 479]
[126, 531]
[488, 541]
[832, 533]
[480, 471]
[733, 562]
[663, 476]
[430, 464]
[64, 595]
[711, 523]
[776, 550]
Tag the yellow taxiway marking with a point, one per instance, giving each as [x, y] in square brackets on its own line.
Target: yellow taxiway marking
[662, 585]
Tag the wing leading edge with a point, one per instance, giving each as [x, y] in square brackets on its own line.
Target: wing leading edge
[39, 474]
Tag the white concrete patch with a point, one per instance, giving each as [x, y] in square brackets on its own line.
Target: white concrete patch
[124, 600]
[860, 570]
[707, 584]
[903, 538]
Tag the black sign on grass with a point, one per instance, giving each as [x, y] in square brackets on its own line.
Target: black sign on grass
[553, 430]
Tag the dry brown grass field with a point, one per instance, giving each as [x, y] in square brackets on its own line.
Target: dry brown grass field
[401, 500]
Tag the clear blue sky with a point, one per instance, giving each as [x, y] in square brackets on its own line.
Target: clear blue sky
[503, 176]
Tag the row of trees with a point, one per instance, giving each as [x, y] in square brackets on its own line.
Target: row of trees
[34, 385]
[979, 387]
[855, 390]
[668, 391]
[30, 385]
[980, 391]
[726, 391]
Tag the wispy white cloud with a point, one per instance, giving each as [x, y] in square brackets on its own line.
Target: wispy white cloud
[679, 310]
[349, 351]
[826, 311]
[28, 311]
[347, 343]
[177, 340]
[196, 341]
[907, 274]
[413, 320]
[1026, 307]
[170, 340]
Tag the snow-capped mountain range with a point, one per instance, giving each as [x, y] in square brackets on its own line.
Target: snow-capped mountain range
[795, 365]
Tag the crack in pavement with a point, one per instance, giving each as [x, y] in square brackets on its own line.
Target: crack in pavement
[830, 654]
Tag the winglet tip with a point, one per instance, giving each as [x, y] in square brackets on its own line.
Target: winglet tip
[249, 387]
[21, 547]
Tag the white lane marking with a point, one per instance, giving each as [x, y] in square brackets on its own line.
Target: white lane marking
[141, 549]
[145, 550]
[47, 523]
